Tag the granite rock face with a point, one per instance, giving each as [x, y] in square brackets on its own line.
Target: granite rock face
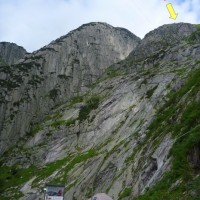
[55, 73]
[89, 123]
[161, 38]
[10, 53]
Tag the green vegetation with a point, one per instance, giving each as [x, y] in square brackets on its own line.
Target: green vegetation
[11, 177]
[144, 82]
[76, 99]
[89, 193]
[181, 71]
[182, 119]
[8, 84]
[91, 104]
[15, 176]
[35, 129]
[35, 80]
[132, 156]
[111, 73]
[197, 26]
[61, 177]
[195, 36]
[53, 93]
[71, 185]
[54, 116]
[70, 122]
[34, 57]
[80, 158]
[6, 69]
[94, 84]
[126, 192]
[151, 91]
[180, 152]
[181, 170]
[63, 167]
[169, 110]
[105, 143]
[148, 72]
[49, 169]
[22, 67]
[2, 62]
[130, 62]
[48, 48]
[197, 62]
[58, 123]
[63, 76]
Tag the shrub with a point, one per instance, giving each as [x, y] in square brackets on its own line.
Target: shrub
[14, 176]
[58, 123]
[151, 91]
[2, 62]
[70, 122]
[76, 99]
[111, 73]
[125, 193]
[91, 104]
[35, 129]
[195, 36]
[53, 93]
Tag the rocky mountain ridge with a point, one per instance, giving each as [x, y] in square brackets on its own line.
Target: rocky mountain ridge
[134, 124]
[10, 53]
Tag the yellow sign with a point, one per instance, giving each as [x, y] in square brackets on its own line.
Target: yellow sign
[173, 14]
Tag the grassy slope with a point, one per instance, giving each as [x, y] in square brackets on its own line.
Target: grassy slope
[12, 177]
[180, 116]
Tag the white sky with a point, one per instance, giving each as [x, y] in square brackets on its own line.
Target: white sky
[35, 23]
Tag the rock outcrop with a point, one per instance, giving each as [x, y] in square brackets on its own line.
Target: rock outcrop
[10, 53]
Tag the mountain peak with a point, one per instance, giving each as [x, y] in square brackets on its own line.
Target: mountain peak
[10, 53]
[177, 30]
[161, 38]
[97, 27]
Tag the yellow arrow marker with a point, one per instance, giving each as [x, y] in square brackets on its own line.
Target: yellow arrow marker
[171, 10]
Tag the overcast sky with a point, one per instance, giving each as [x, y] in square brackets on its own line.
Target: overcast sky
[35, 23]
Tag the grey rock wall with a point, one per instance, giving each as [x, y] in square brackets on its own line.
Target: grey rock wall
[10, 53]
[55, 73]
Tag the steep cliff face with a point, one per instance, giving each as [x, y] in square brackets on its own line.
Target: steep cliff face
[55, 73]
[10, 53]
[133, 131]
